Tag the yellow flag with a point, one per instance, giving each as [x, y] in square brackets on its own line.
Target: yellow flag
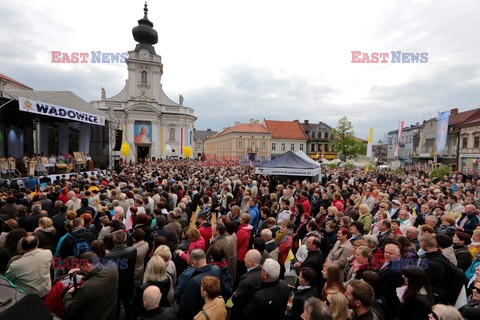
[290, 256]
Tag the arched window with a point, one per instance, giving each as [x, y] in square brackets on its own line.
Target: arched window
[144, 76]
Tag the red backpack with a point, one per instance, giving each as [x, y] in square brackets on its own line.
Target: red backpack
[54, 298]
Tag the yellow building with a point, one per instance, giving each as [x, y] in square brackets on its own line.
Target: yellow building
[240, 142]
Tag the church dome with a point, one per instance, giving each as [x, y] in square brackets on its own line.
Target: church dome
[144, 32]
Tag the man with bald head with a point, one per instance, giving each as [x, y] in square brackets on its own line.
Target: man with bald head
[151, 302]
[469, 220]
[247, 284]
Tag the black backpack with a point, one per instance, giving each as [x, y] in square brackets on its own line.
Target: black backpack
[454, 282]
[226, 283]
[80, 245]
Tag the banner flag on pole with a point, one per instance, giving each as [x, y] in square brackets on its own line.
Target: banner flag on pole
[400, 131]
[370, 142]
[442, 131]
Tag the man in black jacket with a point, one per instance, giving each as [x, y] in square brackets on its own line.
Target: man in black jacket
[391, 276]
[270, 299]
[151, 302]
[85, 207]
[314, 257]
[437, 272]
[97, 297]
[125, 258]
[247, 284]
[59, 221]
[385, 235]
[30, 222]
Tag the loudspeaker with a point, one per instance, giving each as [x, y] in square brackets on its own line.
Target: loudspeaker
[118, 140]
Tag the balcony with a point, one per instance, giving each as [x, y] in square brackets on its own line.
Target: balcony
[252, 150]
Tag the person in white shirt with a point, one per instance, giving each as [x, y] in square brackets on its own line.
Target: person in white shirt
[285, 213]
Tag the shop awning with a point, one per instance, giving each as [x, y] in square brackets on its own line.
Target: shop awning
[59, 104]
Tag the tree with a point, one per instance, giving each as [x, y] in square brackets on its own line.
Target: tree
[343, 140]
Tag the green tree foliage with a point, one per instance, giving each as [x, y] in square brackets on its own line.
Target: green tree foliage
[440, 172]
[344, 142]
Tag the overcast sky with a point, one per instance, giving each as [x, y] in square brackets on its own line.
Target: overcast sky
[280, 60]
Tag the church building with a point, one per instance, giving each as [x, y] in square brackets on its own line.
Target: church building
[154, 125]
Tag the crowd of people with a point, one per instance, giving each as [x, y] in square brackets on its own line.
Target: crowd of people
[183, 240]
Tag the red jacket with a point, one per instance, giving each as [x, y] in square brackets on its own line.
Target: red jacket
[243, 239]
[199, 244]
[63, 196]
[206, 232]
[339, 204]
[306, 205]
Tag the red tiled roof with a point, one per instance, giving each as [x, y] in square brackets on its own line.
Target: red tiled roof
[463, 117]
[2, 76]
[290, 130]
[242, 128]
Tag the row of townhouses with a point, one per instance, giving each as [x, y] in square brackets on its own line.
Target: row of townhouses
[418, 142]
[265, 139]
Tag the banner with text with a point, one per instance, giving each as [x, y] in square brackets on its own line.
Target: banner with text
[33, 106]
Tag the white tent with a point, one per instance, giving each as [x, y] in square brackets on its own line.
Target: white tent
[290, 164]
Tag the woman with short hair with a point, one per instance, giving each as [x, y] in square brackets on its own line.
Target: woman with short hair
[214, 307]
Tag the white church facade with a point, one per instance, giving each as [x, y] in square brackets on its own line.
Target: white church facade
[154, 125]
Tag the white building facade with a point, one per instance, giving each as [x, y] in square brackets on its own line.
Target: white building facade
[154, 125]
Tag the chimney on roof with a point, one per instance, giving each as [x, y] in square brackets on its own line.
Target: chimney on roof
[237, 123]
[418, 123]
[453, 111]
[305, 121]
[256, 121]
[209, 129]
[251, 121]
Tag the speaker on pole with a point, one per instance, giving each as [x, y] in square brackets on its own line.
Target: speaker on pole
[118, 140]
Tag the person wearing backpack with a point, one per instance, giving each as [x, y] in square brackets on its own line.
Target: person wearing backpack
[217, 258]
[445, 278]
[77, 242]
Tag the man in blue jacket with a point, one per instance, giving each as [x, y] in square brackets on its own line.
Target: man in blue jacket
[254, 214]
[469, 220]
[191, 301]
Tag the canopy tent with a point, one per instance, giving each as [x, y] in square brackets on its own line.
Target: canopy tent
[307, 158]
[290, 164]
